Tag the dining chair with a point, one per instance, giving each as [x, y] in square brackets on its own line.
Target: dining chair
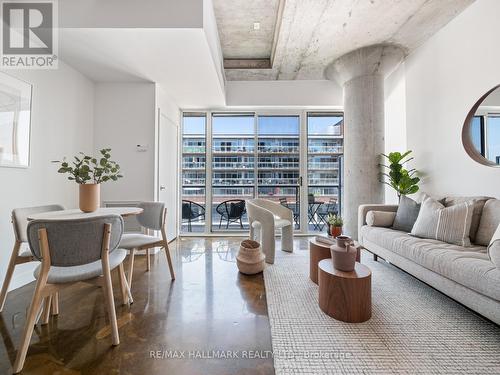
[73, 251]
[19, 220]
[152, 218]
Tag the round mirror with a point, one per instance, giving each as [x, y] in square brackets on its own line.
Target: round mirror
[481, 131]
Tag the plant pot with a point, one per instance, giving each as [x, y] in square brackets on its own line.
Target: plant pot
[343, 254]
[335, 231]
[90, 197]
[250, 259]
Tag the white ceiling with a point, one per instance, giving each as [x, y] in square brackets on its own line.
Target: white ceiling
[313, 33]
[179, 60]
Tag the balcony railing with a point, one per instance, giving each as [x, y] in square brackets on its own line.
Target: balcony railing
[193, 165]
[193, 149]
[323, 181]
[326, 149]
[233, 149]
[232, 165]
[278, 149]
[323, 165]
[277, 181]
[232, 181]
[279, 165]
[193, 182]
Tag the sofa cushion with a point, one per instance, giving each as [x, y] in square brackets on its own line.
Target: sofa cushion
[380, 218]
[468, 266]
[406, 214]
[494, 248]
[476, 215]
[490, 218]
[447, 224]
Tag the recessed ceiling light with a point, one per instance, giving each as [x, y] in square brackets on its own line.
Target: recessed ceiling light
[256, 25]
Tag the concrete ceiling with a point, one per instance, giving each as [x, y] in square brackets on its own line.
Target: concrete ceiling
[307, 35]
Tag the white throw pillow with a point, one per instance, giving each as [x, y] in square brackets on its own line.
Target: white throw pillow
[447, 224]
[494, 248]
[383, 219]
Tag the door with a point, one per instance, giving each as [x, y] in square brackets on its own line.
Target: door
[168, 171]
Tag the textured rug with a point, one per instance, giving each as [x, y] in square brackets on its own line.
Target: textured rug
[413, 330]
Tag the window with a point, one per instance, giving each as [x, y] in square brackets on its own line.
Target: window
[325, 149]
[193, 171]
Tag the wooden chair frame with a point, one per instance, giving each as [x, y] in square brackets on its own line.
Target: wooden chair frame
[15, 259]
[45, 292]
[163, 244]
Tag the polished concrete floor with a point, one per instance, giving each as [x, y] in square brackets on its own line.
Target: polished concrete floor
[210, 320]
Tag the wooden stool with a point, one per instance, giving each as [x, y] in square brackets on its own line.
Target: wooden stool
[319, 251]
[345, 296]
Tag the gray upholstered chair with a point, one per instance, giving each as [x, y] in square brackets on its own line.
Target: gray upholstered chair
[72, 251]
[18, 256]
[265, 217]
[152, 218]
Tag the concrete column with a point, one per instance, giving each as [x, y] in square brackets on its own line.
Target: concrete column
[361, 73]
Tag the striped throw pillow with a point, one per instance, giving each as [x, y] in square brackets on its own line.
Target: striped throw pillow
[447, 224]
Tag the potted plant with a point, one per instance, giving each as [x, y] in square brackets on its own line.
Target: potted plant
[89, 172]
[335, 224]
[404, 181]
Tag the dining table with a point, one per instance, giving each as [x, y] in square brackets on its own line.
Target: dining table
[78, 214]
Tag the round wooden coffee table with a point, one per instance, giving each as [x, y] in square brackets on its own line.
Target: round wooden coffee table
[345, 296]
[319, 251]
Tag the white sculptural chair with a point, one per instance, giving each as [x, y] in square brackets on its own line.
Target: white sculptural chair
[265, 217]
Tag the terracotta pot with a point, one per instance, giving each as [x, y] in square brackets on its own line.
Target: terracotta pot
[250, 259]
[335, 231]
[90, 197]
[343, 254]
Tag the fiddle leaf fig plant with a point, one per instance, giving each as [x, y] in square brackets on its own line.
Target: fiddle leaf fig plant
[85, 169]
[404, 181]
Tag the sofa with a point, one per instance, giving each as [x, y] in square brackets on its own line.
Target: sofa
[465, 274]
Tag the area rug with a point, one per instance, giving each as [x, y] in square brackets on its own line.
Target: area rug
[414, 329]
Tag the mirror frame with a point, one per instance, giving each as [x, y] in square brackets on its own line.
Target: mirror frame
[466, 139]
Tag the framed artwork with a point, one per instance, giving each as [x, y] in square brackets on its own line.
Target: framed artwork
[15, 122]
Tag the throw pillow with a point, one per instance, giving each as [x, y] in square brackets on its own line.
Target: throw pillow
[494, 248]
[447, 224]
[406, 215]
[380, 219]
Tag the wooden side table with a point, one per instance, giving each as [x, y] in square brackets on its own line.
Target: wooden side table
[319, 251]
[345, 296]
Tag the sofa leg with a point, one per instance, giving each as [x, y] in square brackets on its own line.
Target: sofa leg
[375, 257]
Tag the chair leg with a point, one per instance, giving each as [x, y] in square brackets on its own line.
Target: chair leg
[220, 222]
[9, 273]
[148, 260]
[130, 267]
[268, 243]
[169, 260]
[28, 328]
[227, 225]
[108, 296]
[287, 239]
[124, 288]
[55, 304]
[46, 310]
[241, 224]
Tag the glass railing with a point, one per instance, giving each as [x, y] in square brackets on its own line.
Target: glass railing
[279, 165]
[325, 149]
[278, 149]
[232, 165]
[323, 181]
[277, 181]
[233, 149]
[193, 149]
[193, 181]
[193, 165]
[232, 181]
[323, 165]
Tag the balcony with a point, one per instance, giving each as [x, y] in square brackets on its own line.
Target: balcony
[325, 149]
[231, 165]
[323, 165]
[193, 165]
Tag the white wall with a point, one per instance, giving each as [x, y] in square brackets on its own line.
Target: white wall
[444, 78]
[61, 125]
[395, 119]
[125, 116]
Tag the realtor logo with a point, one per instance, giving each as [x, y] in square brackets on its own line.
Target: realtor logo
[29, 39]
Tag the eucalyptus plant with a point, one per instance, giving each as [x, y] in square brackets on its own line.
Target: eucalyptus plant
[404, 181]
[88, 169]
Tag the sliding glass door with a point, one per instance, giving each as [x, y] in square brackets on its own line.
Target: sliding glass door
[231, 157]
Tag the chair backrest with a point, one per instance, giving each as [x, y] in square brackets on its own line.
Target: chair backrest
[20, 218]
[152, 216]
[75, 242]
[236, 209]
[310, 198]
[186, 210]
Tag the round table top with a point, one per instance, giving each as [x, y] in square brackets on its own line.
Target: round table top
[77, 214]
[324, 244]
[360, 270]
